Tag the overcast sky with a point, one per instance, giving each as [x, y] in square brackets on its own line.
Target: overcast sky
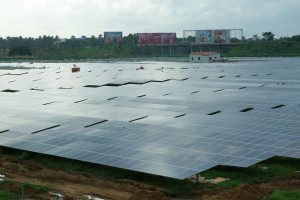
[92, 17]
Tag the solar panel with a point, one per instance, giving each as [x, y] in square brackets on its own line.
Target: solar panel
[174, 122]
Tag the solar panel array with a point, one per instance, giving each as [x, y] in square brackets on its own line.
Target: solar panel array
[173, 119]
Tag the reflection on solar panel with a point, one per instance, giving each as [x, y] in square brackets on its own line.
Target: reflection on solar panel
[156, 120]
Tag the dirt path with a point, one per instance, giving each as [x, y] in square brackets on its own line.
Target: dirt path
[75, 186]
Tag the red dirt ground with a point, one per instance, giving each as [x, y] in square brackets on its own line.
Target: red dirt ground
[75, 186]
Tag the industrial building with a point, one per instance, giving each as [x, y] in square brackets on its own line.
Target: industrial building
[204, 57]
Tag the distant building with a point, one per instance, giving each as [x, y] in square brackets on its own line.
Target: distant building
[204, 57]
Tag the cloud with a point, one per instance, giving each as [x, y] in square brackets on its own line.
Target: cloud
[93, 17]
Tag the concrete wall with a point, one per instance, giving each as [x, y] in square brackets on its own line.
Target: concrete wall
[204, 59]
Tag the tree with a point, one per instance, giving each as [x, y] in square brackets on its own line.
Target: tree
[235, 40]
[255, 37]
[295, 38]
[21, 50]
[268, 36]
[190, 39]
[243, 39]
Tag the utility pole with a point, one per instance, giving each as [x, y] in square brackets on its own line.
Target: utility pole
[22, 192]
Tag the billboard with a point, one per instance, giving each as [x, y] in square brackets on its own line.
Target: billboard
[111, 37]
[203, 36]
[221, 36]
[157, 38]
[212, 36]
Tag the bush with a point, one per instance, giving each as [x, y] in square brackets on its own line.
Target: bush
[284, 195]
[7, 196]
[21, 51]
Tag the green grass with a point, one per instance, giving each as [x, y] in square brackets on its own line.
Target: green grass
[262, 172]
[181, 190]
[260, 49]
[36, 189]
[4, 195]
[236, 176]
[252, 49]
[12, 190]
[281, 166]
[285, 195]
[94, 52]
[281, 170]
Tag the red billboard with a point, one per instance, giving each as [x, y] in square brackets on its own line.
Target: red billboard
[157, 38]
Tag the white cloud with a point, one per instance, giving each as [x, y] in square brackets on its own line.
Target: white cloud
[93, 17]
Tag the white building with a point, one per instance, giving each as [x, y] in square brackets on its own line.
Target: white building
[204, 57]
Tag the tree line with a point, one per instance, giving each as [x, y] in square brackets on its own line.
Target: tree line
[50, 41]
[22, 45]
[29, 45]
[269, 36]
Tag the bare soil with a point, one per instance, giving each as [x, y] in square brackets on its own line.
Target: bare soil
[75, 186]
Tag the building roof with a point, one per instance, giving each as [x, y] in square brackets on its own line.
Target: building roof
[203, 53]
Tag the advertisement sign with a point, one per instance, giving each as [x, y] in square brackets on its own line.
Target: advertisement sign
[111, 37]
[157, 38]
[203, 36]
[221, 36]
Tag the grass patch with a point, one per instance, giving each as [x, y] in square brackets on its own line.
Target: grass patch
[5, 193]
[281, 166]
[8, 196]
[12, 190]
[181, 190]
[37, 189]
[262, 172]
[281, 170]
[285, 195]
[236, 175]
[284, 161]
[270, 48]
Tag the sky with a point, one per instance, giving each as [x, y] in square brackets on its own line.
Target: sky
[66, 18]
